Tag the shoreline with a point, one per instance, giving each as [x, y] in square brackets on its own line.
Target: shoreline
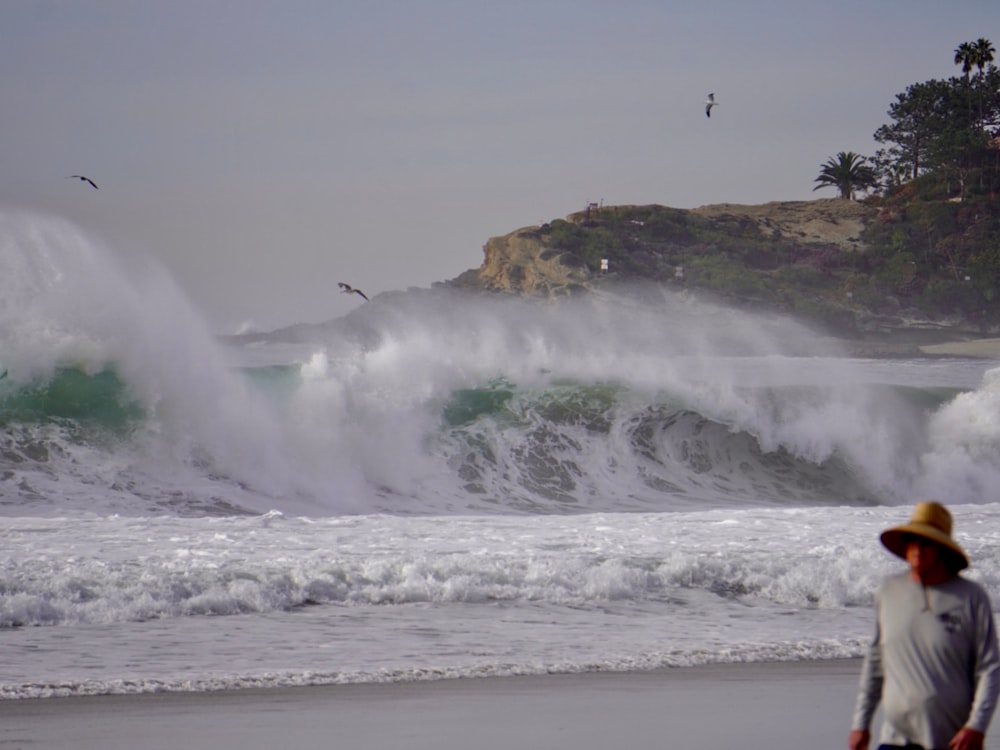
[752, 706]
[917, 345]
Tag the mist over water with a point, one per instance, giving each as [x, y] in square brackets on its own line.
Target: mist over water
[69, 304]
[442, 401]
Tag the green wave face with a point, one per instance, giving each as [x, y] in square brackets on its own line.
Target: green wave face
[560, 447]
[565, 402]
[98, 401]
[466, 405]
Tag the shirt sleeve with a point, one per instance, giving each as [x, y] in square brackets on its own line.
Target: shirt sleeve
[986, 670]
[870, 684]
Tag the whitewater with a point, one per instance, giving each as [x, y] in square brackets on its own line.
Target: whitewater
[446, 484]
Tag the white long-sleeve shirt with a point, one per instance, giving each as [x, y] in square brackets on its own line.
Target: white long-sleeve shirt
[934, 663]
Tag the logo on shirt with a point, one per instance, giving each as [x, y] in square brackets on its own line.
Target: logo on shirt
[952, 622]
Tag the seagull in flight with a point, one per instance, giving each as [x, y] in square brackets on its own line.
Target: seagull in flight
[709, 103]
[348, 289]
[83, 178]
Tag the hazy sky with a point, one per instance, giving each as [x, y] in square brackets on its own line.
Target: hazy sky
[264, 151]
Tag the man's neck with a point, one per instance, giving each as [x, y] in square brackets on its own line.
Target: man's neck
[932, 577]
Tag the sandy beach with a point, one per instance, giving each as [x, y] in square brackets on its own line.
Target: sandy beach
[984, 348]
[749, 706]
[920, 343]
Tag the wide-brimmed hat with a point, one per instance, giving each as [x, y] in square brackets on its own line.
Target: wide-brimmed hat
[931, 521]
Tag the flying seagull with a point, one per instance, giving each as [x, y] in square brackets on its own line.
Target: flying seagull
[348, 289]
[82, 178]
[709, 103]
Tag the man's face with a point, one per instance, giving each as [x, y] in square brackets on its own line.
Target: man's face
[922, 555]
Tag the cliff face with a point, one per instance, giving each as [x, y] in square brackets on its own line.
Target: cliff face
[522, 263]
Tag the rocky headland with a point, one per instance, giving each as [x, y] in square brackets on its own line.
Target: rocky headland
[802, 258]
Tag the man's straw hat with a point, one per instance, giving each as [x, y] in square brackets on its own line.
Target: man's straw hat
[931, 521]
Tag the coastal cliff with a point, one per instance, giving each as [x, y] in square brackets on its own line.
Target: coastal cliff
[810, 259]
[526, 261]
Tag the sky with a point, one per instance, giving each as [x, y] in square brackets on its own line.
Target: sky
[263, 151]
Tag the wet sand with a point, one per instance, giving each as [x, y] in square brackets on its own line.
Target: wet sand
[747, 706]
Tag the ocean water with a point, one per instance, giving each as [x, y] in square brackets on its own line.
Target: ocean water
[442, 484]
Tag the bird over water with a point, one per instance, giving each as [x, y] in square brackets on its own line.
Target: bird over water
[83, 178]
[709, 103]
[348, 289]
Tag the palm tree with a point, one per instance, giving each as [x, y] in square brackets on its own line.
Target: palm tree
[847, 172]
[984, 52]
[965, 55]
[978, 54]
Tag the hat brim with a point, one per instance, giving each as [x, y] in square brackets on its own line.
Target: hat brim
[896, 540]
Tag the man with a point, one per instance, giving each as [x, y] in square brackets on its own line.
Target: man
[934, 663]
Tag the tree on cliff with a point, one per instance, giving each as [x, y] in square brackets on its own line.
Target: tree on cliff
[978, 54]
[847, 172]
[946, 126]
[920, 115]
